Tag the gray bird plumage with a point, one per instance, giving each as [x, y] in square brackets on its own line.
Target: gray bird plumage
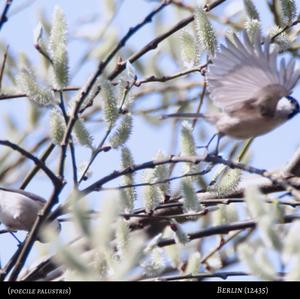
[19, 208]
[251, 89]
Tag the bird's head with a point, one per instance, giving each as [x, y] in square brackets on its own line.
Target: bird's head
[288, 106]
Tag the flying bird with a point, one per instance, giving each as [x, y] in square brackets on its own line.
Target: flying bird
[251, 89]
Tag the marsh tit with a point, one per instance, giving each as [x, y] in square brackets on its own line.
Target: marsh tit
[19, 209]
[249, 87]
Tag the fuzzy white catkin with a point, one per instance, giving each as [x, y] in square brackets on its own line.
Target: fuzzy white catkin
[228, 182]
[122, 236]
[255, 202]
[80, 213]
[194, 262]
[294, 273]
[58, 49]
[268, 233]
[128, 195]
[257, 262]
[27, 83]
[288, 9]
[188, 49]
[191, 203]
[110, 103]
[161, 173]
[252, 26]
[251, 10]
[122, 133]
[152, 196]
[282, 40]
[292, 240]
[57, 126]
[187, 142]
[82, 134]
[188, 146]
[204, 31]
[156, 264]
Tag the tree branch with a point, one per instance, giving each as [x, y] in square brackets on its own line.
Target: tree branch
[55, 180]
[200, 276]
[194, 160]
[223, 229]
[3, 17]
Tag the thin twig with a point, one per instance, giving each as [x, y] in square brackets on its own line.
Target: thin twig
[4, 97]
[169, 217]
[288, 26]
[168, 78]
[223, 229]
[150, 46]
[3, 67]
[200, 102]
[55, 180]
[71, 143]
[72, 120]
[208, 7]
[3, 17]
[200, 276]
[6, 170]
[156, 41]
[11, 263]
[146, 90]
[101, 67]
[190, 159]
[221, 244]
[95, 154]
[36, 168]
[203, 172]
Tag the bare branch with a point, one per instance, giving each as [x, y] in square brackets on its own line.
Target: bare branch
[55, 180]
[3, 17]
[223, 229]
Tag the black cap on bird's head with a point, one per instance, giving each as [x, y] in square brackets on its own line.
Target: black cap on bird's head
[296, 106]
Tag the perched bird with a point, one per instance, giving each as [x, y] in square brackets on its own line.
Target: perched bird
[252, 91]
[19, 209]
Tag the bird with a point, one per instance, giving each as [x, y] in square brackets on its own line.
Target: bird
[252, 91]
[19, 209]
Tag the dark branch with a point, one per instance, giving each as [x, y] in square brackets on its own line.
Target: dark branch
[223, 229]
[55, 180]
[3, 18]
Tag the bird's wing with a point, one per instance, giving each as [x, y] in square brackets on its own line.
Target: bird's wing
[247, 73]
